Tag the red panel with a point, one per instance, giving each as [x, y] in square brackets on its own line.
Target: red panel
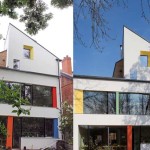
[54, 97]
[129, 137]
[9, 131]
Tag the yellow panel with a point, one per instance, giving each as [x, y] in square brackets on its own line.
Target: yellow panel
[31, 50]
[78, 101]
[146, 53]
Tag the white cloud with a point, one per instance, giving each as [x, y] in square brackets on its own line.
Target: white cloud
[57, 37]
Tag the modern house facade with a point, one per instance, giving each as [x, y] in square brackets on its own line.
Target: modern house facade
[113, 113]
[36, 70]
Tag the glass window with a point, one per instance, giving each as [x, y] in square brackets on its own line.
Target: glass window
[16, 64]
[95, 102]
[48, 127]
[135, 104]
[42, 96]
[33, 127]
[103, 137]
[123, 103]
[26, 92]
[16, 132]
[111, 103]
[99, 102]
[3, 120]
[144, 61]
[26, 53]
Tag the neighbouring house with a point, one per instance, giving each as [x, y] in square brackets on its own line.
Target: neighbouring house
[114, 113]
[28, 64]
[67, 80]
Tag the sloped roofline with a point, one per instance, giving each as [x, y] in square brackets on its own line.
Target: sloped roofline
[135, 33]
[31, 39]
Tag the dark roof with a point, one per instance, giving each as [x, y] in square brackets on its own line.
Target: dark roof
[108, 78]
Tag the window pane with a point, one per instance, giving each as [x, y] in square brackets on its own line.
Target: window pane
[16, 132]
[26, 53]
[32, 127]
[144, 61]
[111, 103]
[123, 106]
[49, 127]
[135, 104]
[3, 120]
[42, 96]
[95, 102]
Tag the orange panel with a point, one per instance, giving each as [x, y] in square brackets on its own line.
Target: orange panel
[9, 131]
[54, 97]
[129, 137]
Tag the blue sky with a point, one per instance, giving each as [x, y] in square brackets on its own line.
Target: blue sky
[89, 61]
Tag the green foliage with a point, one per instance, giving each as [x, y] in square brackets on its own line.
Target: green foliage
[10, 93]
[61, 3]
[3, 130]
[34, 17]
[66, 121]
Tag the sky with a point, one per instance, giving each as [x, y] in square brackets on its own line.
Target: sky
[57, 37]
[90, 61]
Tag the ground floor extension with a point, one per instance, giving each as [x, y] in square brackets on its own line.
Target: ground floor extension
[114, 137]
[25, 131]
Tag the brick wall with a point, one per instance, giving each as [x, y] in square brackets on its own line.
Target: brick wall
[3, 56]
[67, 80]
[67, 88]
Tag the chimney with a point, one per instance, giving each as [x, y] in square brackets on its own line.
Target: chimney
[66, 65]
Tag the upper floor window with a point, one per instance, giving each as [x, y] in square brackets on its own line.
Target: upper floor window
[28, 52]
[16, 64]
[144, 61]
[145, 58]
[99, 102]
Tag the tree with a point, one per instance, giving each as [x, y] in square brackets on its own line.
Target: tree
[34, 16]
[94, 10]
[10, 93]
[66, 121]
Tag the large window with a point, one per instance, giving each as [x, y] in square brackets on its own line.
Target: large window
[103, 137]
[99, 102]
[136, 104]
[42, 96]
[37, 95]
[31, 127]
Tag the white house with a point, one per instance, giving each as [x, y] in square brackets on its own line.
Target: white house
[36, 70]
[113, 113]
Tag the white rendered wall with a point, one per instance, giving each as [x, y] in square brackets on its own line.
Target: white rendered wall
[29, 78]
[37, 142]
[111, 85]
[133, 44]
[103, 119]
[43, 61]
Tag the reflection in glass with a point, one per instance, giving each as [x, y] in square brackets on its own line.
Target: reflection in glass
[144, 61]
[99, 102]
[135, 104]
[103, 137]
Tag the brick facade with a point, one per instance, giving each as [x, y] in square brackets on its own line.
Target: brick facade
[3, 56]
[67, 80]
